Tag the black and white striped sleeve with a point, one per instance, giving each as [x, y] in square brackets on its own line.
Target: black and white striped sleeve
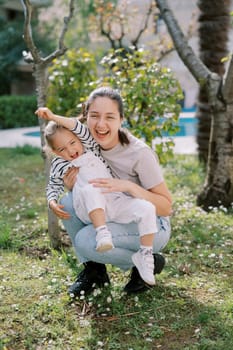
[83, 133]
[55, 186]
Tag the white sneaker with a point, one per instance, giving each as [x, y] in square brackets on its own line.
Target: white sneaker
[104, 241]
[145, 265]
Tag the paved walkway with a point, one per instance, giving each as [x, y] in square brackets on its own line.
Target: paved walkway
[19, 137]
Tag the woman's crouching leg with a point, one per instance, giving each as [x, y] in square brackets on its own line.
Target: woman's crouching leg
[126, 240]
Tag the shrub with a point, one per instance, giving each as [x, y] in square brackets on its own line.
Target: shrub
[150, 93]
[71, 79]
[17, 111]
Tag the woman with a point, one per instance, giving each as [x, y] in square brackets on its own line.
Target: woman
[137, 173]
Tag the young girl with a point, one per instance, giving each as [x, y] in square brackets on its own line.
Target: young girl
[90, 204]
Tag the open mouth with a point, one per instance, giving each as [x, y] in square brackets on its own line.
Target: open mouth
[102, 133]
[74, 156]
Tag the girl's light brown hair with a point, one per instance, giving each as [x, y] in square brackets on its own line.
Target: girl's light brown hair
[50, 131]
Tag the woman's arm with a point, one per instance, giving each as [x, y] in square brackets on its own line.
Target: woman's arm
[158, 195]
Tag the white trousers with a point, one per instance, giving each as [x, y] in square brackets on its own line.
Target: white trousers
[118, 207]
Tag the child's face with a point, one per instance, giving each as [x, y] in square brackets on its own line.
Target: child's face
[67, 145]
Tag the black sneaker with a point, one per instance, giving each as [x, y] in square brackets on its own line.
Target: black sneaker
[136, 283]
[159, 262]
[93, 275]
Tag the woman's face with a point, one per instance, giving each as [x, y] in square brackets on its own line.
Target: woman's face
[104, 121]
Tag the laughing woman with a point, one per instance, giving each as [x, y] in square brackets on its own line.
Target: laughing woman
[136, 172]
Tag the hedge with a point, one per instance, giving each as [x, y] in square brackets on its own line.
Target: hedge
[17, 111]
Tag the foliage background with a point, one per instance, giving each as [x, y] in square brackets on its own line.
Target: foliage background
[12, 47]
[17, 111]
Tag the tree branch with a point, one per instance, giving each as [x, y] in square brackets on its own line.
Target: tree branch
[37, 59]
[61, 46]
[135, 41]
[67, 20]
[27, 7]
[200, 72]
[105, 33]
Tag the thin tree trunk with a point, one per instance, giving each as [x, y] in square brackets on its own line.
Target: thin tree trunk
[40, 73]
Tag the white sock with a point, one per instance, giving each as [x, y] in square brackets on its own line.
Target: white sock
[102, 228]
[146, 249]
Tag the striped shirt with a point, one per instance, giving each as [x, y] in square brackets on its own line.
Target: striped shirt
[59, 166]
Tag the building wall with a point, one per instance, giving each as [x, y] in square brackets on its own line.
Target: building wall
[186, 12]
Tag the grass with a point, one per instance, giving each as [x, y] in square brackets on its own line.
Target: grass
[191, 307]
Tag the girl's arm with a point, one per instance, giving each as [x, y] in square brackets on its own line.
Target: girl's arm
[72, 124]
[47, 114]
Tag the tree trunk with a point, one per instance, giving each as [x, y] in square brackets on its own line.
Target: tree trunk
[214, 22]
[40, 74]
[218, 187]
[40, 66]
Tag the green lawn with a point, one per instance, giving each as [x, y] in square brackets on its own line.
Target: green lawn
[190, 308]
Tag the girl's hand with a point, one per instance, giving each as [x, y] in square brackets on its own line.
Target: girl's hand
[70, 178]
[57, 209]
[44, 113]
[112, 185]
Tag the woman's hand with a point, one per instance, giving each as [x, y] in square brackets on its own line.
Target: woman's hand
[112, 185]
[70, 178]
[159, 195]
[57, 209]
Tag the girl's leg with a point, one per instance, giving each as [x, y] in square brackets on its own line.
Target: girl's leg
[103, 235]
[89, 204]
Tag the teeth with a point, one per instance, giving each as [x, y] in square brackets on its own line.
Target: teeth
[101, 132]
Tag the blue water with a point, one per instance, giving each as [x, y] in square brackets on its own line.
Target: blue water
[188, 127]
[32, 133]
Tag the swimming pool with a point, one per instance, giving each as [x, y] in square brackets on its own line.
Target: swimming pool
[188, 127]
